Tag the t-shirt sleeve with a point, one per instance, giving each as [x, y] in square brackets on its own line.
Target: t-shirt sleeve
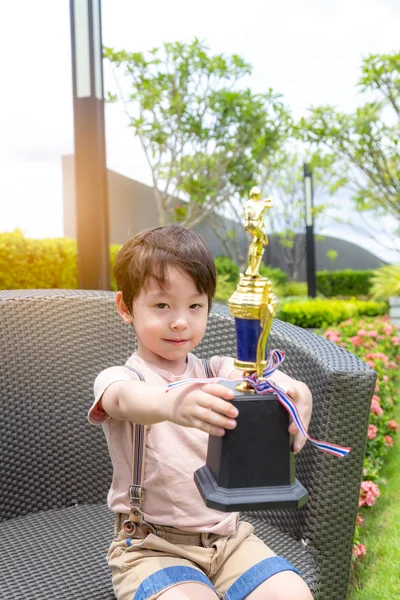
[222, 366]
[97, 415]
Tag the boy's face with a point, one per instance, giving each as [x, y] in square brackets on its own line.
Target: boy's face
[169, 323]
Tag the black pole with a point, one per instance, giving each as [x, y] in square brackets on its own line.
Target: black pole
[310, 246]
[92, 227]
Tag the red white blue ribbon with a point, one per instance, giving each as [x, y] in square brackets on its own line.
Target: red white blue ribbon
[263, 386]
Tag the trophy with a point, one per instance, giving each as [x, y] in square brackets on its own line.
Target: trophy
[252, 466]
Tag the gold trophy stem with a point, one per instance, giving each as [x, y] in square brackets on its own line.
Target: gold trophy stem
[266, 323]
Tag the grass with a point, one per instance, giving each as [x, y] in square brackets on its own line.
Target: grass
[377, 576]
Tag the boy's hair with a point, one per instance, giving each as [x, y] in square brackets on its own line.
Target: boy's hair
[150, 253]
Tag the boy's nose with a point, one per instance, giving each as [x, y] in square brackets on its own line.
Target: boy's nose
[179, 323]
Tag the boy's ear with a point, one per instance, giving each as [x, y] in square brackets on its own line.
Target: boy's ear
[123, 309]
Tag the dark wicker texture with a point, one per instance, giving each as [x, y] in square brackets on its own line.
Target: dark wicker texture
[55, 470]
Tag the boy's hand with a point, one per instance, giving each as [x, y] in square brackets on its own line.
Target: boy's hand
[302, 397]
[206, 407]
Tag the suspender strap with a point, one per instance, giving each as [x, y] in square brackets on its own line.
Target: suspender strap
[136, 493]
[207, 368]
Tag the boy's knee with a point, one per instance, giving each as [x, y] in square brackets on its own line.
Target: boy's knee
[285, 585]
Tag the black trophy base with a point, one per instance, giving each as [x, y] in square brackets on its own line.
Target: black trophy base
[253, 498]
[252, 467]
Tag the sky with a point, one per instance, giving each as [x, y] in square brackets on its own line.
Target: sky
[308, 51]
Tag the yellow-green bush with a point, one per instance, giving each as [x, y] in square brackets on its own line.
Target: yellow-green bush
[319, 312]
[35, 264]
[27, 263]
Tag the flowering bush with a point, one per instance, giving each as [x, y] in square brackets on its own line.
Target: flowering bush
[376, 342]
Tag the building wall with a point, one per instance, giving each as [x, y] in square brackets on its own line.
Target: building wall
[132, 208]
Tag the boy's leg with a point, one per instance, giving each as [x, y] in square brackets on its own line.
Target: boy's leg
[189, 591]
[285, 585]
[248, 569]
[152, 568]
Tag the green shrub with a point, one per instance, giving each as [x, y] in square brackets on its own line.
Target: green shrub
[295, 288]
[27, 263]
[274, 274]
[227, 267]
[225, 289]
[320, 312]
[114, 249]
[36, 264]
[386, 282]
[344, 283]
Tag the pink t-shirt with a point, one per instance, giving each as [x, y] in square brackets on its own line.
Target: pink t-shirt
[173, 454]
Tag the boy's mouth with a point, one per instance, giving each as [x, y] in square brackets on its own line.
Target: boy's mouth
[176, 342]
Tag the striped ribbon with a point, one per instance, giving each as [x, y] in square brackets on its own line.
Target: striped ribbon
[263, 386]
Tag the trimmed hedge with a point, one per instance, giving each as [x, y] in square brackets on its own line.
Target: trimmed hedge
[27, 263]
[36, 264]
[344, 283]
[319, 312]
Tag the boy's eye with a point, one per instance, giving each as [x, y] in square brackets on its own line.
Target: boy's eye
[196, 305]
[162, 305]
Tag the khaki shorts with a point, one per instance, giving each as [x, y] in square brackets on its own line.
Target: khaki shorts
[232, 566]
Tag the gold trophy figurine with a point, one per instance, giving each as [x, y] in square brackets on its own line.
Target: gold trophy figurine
[254, 223]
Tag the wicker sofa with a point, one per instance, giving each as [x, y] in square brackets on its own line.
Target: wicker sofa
[55, 472]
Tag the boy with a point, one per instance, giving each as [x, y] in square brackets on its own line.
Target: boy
[180, 549]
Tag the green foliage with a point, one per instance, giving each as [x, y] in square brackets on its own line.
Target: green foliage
[114, 249]
[386, 282]
[275, 274]
[296, 288]
[28, 264]
[204, 137]
[367, 140]
[37, 264]
[344, 283]
[227, 268]
[319, 313]
[225, 288]
[332, 254]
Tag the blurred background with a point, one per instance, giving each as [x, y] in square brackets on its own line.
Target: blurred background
[316, 65]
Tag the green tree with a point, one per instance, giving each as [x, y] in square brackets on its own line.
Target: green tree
[203, 135]
[366, 143]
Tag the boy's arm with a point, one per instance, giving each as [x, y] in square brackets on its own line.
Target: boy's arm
[300, 393]
[205, 406]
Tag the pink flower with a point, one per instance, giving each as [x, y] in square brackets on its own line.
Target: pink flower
[375, 397]
[372, 333]
[398, 357]
[388, 440]
[359, 520]
[395, 341]
[370, 363]
[369, 492]
[359, 550]
[385, 378]
[392, 365]
[333, 336]
[377, 356]
[376, 388]
[362, 332]
[372, 429]
[387, 329]
[356, 340]
[394, 425]
[376, 409]
[390, 400]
